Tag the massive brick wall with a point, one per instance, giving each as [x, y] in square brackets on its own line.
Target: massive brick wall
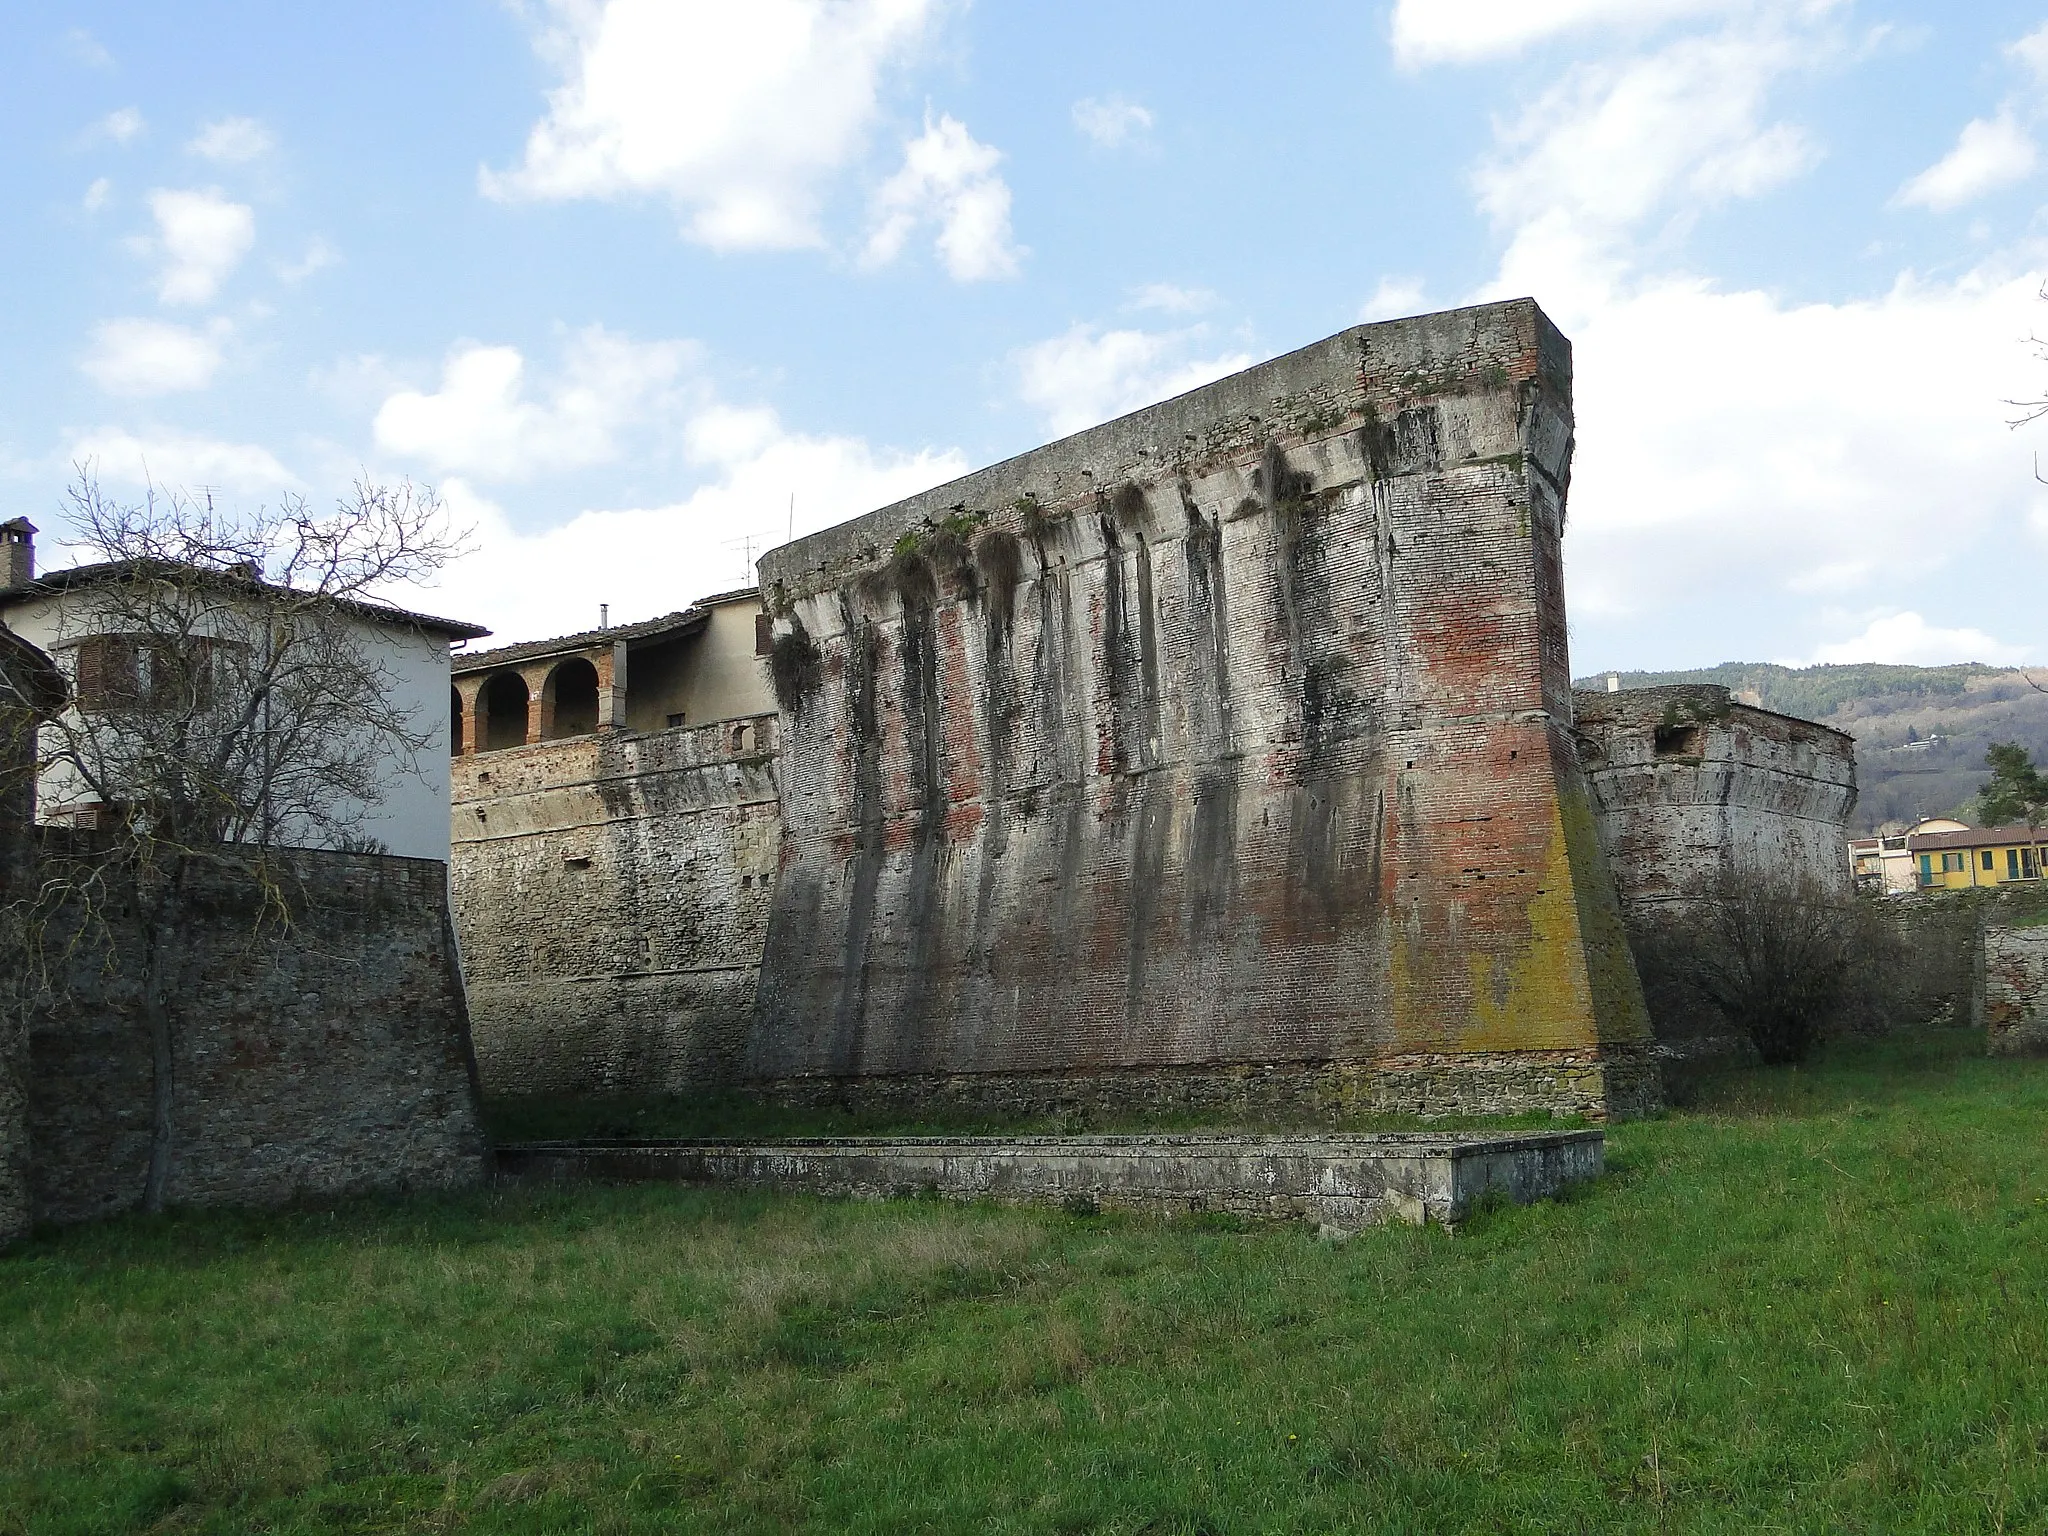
[1689, 784]
[1227, 741]
[330, 1058]
[612, 893]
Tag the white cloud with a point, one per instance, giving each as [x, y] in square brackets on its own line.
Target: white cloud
[1085, 376]
[481, 424]
[1171, 299]
[739, 113]
[2032, 51]
[320, 255]
[1989, 154]
[1110, 120]
[96, 195]
[532, 585]
[233, 141]
[153, 357]
[948, 179]
[1394, 299]
[1463, 31]
[87, 50]
[1667, 133]
[123, 127]
[202, 237]
[1909, 640]
[180, 461]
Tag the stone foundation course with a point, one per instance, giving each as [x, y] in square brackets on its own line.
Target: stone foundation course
[1341, 1183]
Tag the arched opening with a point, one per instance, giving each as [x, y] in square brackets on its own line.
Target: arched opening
[573, 690]
[739, 738]
[455, 722]
[503, 703]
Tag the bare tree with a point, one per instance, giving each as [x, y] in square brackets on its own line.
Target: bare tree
[233, 693]
[1785, 962]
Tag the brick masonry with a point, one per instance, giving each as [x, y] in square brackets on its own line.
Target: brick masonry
[1341, 1183]
[1229, 735]
[612, 895]
[326, 1060]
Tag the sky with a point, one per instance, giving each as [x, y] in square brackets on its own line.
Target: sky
[641, 287]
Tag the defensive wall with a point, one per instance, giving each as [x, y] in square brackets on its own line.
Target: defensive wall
[1692, 786]
[1693, 790]
[327, 1057]
[612, 894]
[1226, 744]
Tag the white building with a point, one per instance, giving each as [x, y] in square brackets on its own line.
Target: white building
[57, 612]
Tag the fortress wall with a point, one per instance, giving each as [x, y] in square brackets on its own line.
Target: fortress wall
[324, 1059]
[1230, 735]
[1689, 783]
[611, 894]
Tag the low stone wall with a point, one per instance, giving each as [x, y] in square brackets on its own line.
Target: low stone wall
[1595, 1085]
[1340, 1183]
[2016, 991]
[327, 1058]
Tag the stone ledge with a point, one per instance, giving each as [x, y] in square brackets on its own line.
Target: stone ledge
[1339, 1182]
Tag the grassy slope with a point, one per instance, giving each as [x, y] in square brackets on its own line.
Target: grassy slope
[1970, 707]
[1816, 1301]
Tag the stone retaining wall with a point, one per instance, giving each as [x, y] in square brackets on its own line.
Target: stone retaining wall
[1341, 1183]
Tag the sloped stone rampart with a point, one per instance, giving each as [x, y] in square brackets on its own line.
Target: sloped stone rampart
[1231, 734]
[328, 1059]
[1338, 1182]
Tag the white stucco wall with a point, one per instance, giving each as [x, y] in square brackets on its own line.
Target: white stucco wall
[410, 815]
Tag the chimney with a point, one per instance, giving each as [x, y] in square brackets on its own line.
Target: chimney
[17, 552]
[604, 615]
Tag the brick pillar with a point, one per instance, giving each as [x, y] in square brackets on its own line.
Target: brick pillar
[472, 690]
[540, 702]
[611, 686]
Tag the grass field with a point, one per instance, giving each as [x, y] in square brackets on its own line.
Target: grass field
[1816, 1300]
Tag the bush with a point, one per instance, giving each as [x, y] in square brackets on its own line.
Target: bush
[1785, 963]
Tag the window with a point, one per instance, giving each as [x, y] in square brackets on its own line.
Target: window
[764, 634]
[2028, 869]
[143, 672]
[1676, 741]
[2012, 863]
[1927, 869]
[1952, 863]
[1987, 859]
[676, 719]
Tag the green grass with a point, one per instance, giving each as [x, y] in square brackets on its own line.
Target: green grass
[1816, 1300]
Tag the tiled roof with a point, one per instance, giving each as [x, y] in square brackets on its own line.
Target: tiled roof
[1976, 837]
[684, 621]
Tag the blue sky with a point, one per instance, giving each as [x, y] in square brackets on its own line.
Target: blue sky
[622, 277]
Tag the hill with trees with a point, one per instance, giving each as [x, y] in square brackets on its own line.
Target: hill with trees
[1921, 732]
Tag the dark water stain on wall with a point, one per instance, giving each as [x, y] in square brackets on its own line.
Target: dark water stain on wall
[864, 744]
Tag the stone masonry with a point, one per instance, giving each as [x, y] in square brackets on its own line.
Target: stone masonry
[1341, 1183]
[2015, 990]
[612, 893]
[326, 1059]
[1229, 741]
[1690, 784]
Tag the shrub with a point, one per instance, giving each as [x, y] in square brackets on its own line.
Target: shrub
[1784, 962]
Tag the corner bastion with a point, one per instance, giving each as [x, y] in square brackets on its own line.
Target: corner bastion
[1219, 753]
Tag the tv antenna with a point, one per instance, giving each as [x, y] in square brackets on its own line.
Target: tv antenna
[748, 543]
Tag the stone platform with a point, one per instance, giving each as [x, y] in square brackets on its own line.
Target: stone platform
[1339, 1182]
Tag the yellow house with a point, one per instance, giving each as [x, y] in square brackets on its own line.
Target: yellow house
[1959, 861]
